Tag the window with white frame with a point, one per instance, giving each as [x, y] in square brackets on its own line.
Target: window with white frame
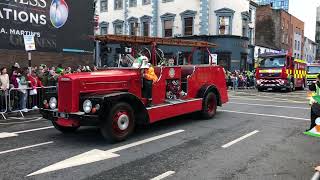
[188, 22]
[145, 25]
[224, 21]
[168, 28]
[188, 26]
[132, 3]
[118, 4]
[146, 2]
[146, 28]
[134, 27]
[103, 28]
[224, 25]
[118, 27]
[103, 5]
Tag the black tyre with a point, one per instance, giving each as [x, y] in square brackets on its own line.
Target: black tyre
[291, 87]
[119, 123]
[260, 89]
[65, 130]
[209, 106]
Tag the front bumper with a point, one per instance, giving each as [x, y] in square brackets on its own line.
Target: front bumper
[273, 84]
[310, 82]
[79, 117]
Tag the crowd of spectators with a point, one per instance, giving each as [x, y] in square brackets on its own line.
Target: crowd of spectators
[26, 81]
[238, 79]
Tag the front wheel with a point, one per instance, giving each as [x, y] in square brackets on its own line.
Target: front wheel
[119, 123]
[209, 106]
[291, 87]
[65, 130]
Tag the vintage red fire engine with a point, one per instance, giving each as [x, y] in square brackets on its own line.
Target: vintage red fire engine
[112, 99]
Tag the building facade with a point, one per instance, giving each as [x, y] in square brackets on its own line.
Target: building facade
[275, 4]
[228, 23]
[310, 49]
[318, 33]
[277, 29]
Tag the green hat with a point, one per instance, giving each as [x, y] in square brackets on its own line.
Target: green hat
[59, 70]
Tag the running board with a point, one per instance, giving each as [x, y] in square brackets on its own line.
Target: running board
[174, 108]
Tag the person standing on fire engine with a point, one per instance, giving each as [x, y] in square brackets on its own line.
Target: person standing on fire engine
[315, 107]
[149, 77]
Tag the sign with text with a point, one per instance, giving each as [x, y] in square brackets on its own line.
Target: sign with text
[55, 24]
[214, 58]
[29, 42]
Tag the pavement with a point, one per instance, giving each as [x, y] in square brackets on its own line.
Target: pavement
[257, 135]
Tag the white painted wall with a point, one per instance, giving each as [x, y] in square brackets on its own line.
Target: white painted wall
[238, 6]
[177, 7]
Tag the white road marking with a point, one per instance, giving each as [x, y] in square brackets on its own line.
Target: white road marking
[269, 100]
[32, 130]
[266, 105]
[266, 115]
[164, 175]
[239, 139]
[25, 147]
[6, 135]
[23, 118]
[15, 134]
[22, 122]
[97, 155]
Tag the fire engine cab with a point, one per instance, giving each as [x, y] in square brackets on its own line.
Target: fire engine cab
[280, 71]
[312, 72]
[112, 98]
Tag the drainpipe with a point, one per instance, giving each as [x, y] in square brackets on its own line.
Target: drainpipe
[204, 17]
[155, 17]
[126, 16]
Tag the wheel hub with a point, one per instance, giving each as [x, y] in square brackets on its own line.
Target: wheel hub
[123, 122]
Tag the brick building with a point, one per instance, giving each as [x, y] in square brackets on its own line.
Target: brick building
[277, 29]
[318, 33]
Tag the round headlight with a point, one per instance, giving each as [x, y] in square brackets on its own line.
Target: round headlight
[53, 103]
[87, 106]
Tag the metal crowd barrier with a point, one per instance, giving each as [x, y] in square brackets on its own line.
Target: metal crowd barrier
[3, 102]
[28, 99]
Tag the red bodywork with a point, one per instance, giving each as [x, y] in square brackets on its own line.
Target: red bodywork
[111, 86]
[73, 86]
[281, 77]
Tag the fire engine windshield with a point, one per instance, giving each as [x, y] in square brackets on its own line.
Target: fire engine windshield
[313, 69]
[273, 62]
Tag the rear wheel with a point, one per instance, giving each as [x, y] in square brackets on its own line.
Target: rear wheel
[65, 130]
[209, 106]
[119, 123]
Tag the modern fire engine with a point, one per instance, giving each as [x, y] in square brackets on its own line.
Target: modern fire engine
[280, 71]
[112, 99]
[312, 71]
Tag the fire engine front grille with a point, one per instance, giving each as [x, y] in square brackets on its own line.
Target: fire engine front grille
[266, 75]
[65, 96]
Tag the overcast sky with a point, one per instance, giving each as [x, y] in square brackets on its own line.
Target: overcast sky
[306, 11]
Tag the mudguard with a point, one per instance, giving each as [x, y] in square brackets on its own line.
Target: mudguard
[210, 88]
